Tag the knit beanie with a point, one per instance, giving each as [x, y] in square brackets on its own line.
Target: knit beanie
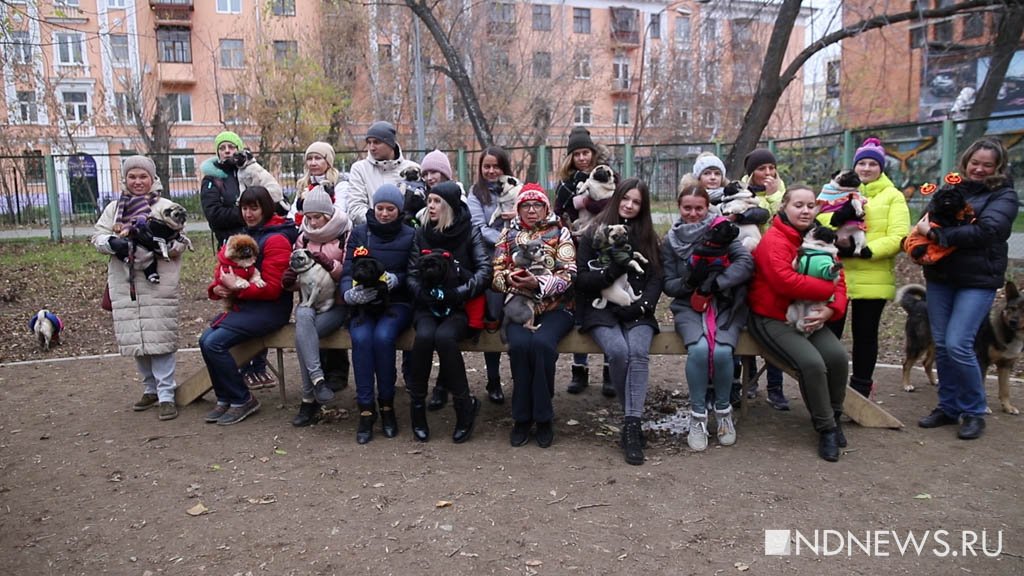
[871, 148]
[390, 194]
[579, 137]
[449, 192]
[758, 157]
[437, 161]
[532, 192]
[383, 131]
[138, 161]
[324, 149]
[317, 200]
[228, 136]
[705, 161]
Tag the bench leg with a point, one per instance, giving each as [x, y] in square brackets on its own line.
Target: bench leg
[280, 376]
[748, 381]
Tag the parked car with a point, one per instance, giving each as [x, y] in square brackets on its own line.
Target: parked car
[942, 84]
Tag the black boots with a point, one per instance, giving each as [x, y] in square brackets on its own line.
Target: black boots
[545, 434]
[937, 418]
[335, 365]
[494, 391]
[520, 433]
[840, 437]
[388, 422]
[971, 427]
[367, 417]
[828, 445]
[632, 441]
[418, 415]
[437, 399]
[465, 417]
[607, 388]
[580, 379]
[308, 413]
[863, 387]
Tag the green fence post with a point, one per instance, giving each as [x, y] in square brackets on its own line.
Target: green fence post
[771, 147]
[461, 163]
[849, 149]
[948, 146]
[543, 178]
[627, 165]
[53, 199]
[718, 149]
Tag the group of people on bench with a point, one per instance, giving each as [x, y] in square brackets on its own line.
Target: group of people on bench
[556, 259]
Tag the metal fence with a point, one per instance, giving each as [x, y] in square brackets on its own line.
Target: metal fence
[917, 153]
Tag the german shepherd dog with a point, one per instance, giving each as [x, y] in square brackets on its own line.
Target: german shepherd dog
[999, 342]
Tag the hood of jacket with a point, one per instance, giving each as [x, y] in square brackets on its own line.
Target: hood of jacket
[212, 167]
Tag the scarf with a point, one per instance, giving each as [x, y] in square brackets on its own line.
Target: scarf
[130, 208]
[338, 225]
[454, 235]
[386, 232]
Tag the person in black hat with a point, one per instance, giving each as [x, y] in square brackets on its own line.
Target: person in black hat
[384, 164]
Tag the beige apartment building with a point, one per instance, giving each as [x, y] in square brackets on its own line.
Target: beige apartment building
[88, 76]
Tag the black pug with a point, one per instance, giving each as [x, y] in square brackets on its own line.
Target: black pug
[368, 272]
[439, 278]
[156, 232]
[414, 191]
[711, 256]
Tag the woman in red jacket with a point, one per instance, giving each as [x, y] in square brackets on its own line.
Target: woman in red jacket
[817, 355]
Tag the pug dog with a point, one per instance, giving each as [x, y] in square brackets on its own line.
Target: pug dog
[369, 272]
[842, 198]
[414, 195]
[156, 232]
[239, 257]
[817, 257]
[510, 188]
[737, 199]
[438, 277]
[316, 287]
[521, 308]
[598, 188]
[612, 245]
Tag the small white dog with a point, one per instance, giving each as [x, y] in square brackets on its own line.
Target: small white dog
[612, 244]
[316, 287]
[510, 188]
[47, 327]
[737, 199]
[600, 185]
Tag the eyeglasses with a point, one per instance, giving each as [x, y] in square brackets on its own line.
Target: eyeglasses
[532, 206]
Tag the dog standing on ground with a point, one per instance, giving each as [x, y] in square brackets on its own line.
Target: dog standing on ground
[999, 341]
[47, 328]
[510, 188]
[316, 287]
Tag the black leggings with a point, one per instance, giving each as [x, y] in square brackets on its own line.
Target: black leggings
[865, 317]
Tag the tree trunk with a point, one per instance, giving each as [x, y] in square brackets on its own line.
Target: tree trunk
[1006, 44]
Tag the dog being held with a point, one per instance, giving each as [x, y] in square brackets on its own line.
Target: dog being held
[510, 188]
[595, 192]
[47, 327]
[156, 232]
[414, 195]
[519, 308]
[611, 242]
[238, 256]
[316, 287]
[438, 278]
[369, 272]
[736, 200]
[709, 259]
[947, 209]
[842, 199]
[816, 257]
[917, 332]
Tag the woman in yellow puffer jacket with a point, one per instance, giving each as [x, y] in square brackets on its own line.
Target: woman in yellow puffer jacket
[871, 282]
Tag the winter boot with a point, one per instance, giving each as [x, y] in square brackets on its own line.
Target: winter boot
[367, 417]
[840, 437]
[863, 387]
[418, 415]
[726, 427]
[308, 413]
[494, 391]
[632, 446]
[607, 388]
[388, 422]
[465, 417]
[697, 439]
[580, 379]
[438, 398]
[828, 445]
[335, 365]
[777, 399]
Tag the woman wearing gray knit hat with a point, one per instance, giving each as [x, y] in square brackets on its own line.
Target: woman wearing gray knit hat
[145, 314]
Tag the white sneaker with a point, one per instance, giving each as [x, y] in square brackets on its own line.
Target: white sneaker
[698, 436]
[726, 428]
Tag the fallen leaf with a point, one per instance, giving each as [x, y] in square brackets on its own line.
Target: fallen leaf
[534, 563]
[264, 459]
[215, 467]
[280, 452]
[197, 510]
[267, 499]
[924, 496]
[741, 566]
[443, 504]
[378, 485]
[572, 423]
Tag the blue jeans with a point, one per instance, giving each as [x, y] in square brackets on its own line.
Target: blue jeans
[532, 357]
[955, 315]
[698, 375]
[373, 351]
[215, 345]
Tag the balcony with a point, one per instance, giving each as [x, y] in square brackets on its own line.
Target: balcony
[622, 86]
[172, 12]
[626, 38]
[176, 73]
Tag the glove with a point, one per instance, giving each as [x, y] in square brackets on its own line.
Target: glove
[698, 275]
[324, 260]
[845, 251]
[289, 279]
[359, 295]
[391, 280]
[631, 313]
[119, 246]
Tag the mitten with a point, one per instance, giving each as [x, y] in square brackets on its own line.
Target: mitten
[613, 270]
[358, 295]
[324, 260]
[119, 246]
[289, 279]
[391, 280]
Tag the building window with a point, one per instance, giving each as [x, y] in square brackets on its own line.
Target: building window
[119, 49]
[709, 32]
[832, 79]
[974, 25]
[232, 53]
[709, 118]
[655, 25]
[917, 37]
[620, 113]
[581, 20]
[581, 114]
[76, 105]
[67, 3]
[581, 66]
[542, 64]
[69, 49]
[620, 72]
[116, 3]
[229, 6]
[683, 31]
[284, 7]
[28, 110]
[20, 48]
[501, 18]
[183, 164]
[500, 61]
[285, 51]
[541, 17]
[943, 31]
[179, 107]
[232, 107]
[35, 166]
[174, 45]
[123, 107]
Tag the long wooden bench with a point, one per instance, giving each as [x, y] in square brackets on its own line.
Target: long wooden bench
[667, 342]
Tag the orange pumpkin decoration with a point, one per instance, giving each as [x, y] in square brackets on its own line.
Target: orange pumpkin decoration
[953, 178]
[927, 188]
[361, 251]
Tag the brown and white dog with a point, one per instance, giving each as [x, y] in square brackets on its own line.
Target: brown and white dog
[316, 287]
[510, 188]
[598, 187]
[239, 257]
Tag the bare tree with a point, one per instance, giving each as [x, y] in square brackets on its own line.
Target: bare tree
[1007, 43]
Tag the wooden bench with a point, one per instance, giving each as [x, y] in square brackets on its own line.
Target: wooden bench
[667, 342]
